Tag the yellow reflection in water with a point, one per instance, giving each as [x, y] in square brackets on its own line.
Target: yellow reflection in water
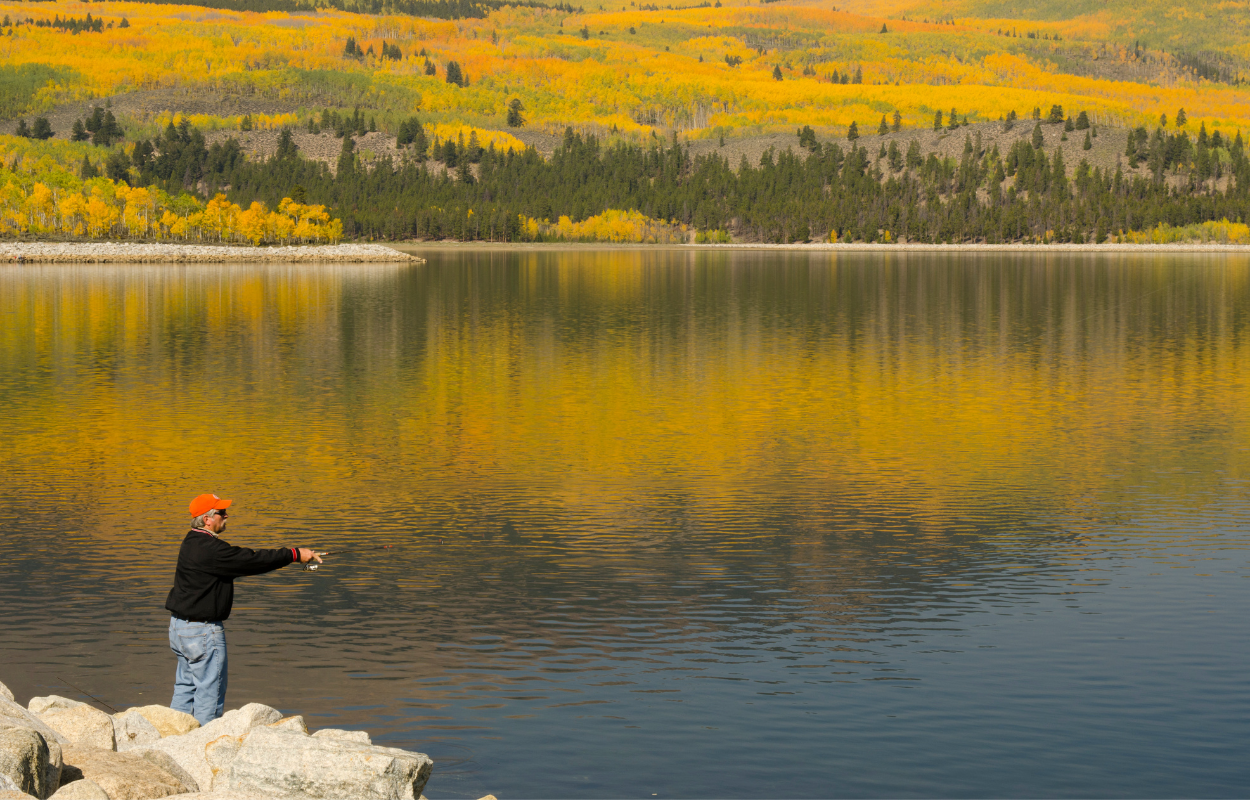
[631, 392]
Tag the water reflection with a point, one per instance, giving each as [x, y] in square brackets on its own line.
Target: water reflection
[662, 512]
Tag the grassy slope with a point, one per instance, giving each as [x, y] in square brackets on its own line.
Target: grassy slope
[1190, 26]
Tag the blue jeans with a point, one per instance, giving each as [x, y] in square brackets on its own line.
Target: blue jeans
[200, 683]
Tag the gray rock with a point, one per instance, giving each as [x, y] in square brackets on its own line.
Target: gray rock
[166, 762]
[84, 789]
[359, 737]
[13, 715]
[5, 694]
[289, 764]
[24, 761]
[166, 720]
[78, 723]
[189, 749]
[131, 729]
[124, 776]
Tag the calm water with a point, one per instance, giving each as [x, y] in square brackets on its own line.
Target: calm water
[673, 524]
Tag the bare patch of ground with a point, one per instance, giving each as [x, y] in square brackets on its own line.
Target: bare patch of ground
[144, 106]
[1106, 151]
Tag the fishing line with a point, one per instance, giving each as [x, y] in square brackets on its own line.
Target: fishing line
[93, 697]
[312, 567]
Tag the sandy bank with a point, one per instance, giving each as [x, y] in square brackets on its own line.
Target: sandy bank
[133, 253]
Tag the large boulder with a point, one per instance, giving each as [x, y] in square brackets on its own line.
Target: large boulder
[81, 789]
[5, 694]
[123, 776]
[167, 721]
[13, 715]
[131, 729]
[284, 763]
[24, 762]
[78, 723]
[15, 794]
[189, 749]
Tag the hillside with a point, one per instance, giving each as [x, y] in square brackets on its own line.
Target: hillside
[732, 79]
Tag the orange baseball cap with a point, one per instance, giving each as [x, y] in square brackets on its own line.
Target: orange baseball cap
[205, 503]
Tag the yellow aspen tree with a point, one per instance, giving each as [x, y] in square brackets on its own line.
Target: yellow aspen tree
[41, 209]
[250, 224]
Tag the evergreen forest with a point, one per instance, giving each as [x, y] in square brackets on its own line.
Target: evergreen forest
[819, 193]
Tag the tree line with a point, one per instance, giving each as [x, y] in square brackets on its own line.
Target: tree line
[824, 191]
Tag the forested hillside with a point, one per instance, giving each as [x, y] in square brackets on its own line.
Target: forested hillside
[447, 102]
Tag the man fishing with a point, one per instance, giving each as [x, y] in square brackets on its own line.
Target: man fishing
[200, 603]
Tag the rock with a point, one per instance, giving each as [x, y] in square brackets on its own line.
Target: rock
[84, 789]
[124, 776]
[219, 753]
[488, 797]
[38, 705]
[189, 749]
[166, 762]
[5, 694]
[359, 737]
[78, 723]
[283, 763]
[24, 758]
[13, 714]
[14, 794]
[132, 729]
[222, 796]
[167, 721]
[295, 723]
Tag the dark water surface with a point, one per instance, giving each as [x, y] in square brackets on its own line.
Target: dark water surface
[675, 524]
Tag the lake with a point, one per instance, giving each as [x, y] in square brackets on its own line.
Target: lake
[668, 523]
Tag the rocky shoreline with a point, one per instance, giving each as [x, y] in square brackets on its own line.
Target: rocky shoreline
[159, 252]
[61, 749]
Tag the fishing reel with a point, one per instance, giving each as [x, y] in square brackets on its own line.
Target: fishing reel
[312, 566]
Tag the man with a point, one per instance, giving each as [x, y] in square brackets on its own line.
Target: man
[200, 602]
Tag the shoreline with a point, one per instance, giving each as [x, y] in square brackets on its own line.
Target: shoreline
[1194, 247]
[106, 252]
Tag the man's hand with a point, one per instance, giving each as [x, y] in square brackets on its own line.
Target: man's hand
[306, 555]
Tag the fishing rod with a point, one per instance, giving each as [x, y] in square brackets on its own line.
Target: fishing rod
[93, 697]
[311, 567]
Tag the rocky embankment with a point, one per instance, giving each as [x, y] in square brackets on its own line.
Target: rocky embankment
[67, 750]
[146, 253]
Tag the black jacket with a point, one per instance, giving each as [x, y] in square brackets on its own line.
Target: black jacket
[204, 580]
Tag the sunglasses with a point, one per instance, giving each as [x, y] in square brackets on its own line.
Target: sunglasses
[221, 514]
